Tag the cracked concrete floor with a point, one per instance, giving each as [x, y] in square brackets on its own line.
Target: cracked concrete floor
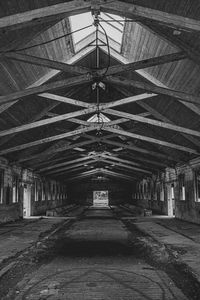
[93, 260]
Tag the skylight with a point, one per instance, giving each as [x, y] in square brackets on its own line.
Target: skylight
[82, 26]
[102, 118]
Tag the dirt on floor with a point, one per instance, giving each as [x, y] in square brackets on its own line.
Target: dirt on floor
[85, 245]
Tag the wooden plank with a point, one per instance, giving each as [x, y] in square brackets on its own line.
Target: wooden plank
[192, 53]
[44, 62]
[61, 170]
[131, 147]
[54, 150]
[36, 117]
[47, 140]
[117, 174]
[146, 63]
[151, 140]
[69, 82]
[51, 74]
[90, 108]
[153, 122]
[44, 14]
[156, 114]
[133, 11]
[102, 171]
[67, 163]
[160, 116]
[48, 121]
[123, 60]
[78, 70]
[124, 161]
[125, 166]
[121, 81]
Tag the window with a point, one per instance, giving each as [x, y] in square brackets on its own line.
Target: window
[36, 191]
[1, 185]
[197, 186]
[182, 187]
[162, 191]
[15, 188]
[43, 191]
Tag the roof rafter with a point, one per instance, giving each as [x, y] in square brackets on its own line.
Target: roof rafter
[137, 12]
[151, 140]
[44, 14]
[48, 139]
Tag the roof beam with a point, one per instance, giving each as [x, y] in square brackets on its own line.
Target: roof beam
[142, 64]
[153, 122]
[102, 171]
[55, 149]
[129, 146]
[69, 82]
[49, 121]
[137, 12]
[44, 14]
[67, 163]
[78, 70]
[158, 115]
[123, 60]
[124, 161]
[61, 170]
[47, 140]
[49, 75]
[44, 62]
[121, 81]
[192, 53]
[106, 160]
[150, 140]
[90, 108]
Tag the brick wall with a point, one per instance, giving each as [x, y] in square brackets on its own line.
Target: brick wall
[155, 192]
[44, 193]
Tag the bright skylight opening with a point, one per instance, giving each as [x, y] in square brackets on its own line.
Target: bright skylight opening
[112, 24]
[102, 118]
[80, 21]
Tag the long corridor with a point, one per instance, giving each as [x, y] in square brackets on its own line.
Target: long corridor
[94, 258]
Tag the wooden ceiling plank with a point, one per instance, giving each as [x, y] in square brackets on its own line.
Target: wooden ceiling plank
[44, 14]
[150, 140]
[192, 53]
[153, 122]
[133, 11]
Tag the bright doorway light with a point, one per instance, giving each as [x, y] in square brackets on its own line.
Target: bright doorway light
[100, 199]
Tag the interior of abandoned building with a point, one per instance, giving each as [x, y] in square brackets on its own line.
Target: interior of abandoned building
[100, 106]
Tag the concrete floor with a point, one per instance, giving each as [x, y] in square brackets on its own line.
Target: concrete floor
[96, 257]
